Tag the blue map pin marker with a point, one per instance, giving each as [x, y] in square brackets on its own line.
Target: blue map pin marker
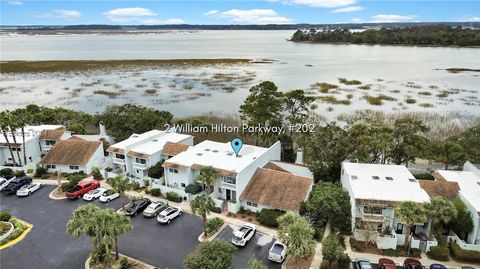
[237, 145]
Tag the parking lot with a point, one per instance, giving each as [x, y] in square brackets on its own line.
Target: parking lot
[259, 246]
[49, 246]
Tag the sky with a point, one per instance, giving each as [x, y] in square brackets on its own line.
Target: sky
[132, 12]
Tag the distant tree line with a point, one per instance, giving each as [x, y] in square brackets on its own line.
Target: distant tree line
[428, 35]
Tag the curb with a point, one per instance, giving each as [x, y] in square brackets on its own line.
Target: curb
[213, 236]
[20, 237]
[87, 262]
[55, 198]
[7, 234]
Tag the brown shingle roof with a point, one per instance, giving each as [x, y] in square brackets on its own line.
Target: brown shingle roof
[441, 188]
[277, 189]
[172, 149]
[115, 150]
[71, 152]
[52, 134]
[75, 138]
[132, 153]
[221, 172]
[273, 166]
[173, 165]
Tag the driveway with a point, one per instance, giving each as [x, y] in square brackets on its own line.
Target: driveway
[47, 246]
[259, 246]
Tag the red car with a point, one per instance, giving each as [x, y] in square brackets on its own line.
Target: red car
[385, 263]
[81, 188]
[412, 264]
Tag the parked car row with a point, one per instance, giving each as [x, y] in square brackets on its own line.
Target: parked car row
[21, 186]
[149, 209]
[385, 263]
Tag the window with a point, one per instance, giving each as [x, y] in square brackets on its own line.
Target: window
[376, 177]
[372, 210]
[171, 170]
[51, 166]
[229, 180]
[74, 167]
[252, 204]
[140, 160]
[183, 185]
[412, 180]
[119, 156]
[50, 142]
[399, 228]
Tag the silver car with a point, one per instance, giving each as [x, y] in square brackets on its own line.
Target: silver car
[154, 208]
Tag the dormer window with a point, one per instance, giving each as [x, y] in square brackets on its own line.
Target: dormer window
[376, 177]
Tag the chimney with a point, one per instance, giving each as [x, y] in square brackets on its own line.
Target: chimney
[103, 130]
[299, 159]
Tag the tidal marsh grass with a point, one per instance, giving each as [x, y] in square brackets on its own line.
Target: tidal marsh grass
[349, 82]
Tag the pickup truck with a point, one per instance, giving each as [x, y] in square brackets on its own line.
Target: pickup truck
[81, 188]
[16, 184]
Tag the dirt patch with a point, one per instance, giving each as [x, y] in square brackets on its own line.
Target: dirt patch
[303, 263]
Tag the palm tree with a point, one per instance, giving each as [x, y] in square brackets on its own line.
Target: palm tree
[14, 125]
[297, 233]
[103, 226]
[121, 185]
[208, 175]
[203, 204]
[23, 119]
[439, 210]
[409, 213]
[5, 118]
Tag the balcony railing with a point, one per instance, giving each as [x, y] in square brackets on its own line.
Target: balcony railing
[369, 217]
[140, 165]
[118, 160]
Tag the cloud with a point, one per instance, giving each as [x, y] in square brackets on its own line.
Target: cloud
[251, 16]
[319, 3]
[473, 19]
[211, 12]
[138, 15]
[60, 13]
[347, 9]
[393, 18]
[17, 3]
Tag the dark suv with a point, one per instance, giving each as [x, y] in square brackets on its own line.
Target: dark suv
[16, 184]
[137, 207]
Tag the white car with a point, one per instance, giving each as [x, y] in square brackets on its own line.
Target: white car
[28, 189]
[243, 234]
[94, 194]
[277, 252]
[108, 196]
[5, 181]
[167, 215]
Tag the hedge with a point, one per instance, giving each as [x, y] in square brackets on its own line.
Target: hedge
[268, 217]
[6, 172]
[439, 253]
[40, 172]
[5, 216]
[214, 224]
[193, 188]
[464, 255]
[173, 196]
[155, 192]
[217, 210]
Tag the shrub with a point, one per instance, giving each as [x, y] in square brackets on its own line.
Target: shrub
[217, 210]
[124, 264]
[44, 176]
[29, 171]
[65, 186]
[40, 172]
[155, 192]
[439, 253]
[74, 179]
[424, 176]
[135, 185]
[464, 255]
[146, 182]
[193, 188]
[6, 172]
[156, 171]
[19, 173]
[5, 215]
[173, 196]
[96, 173]
[214, 224]
[268, 217]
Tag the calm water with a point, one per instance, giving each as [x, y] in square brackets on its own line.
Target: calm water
[388, 68]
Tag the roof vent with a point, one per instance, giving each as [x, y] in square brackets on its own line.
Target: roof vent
[230, 154]
[376, 177]
[207, 149]
[412, 180]
[155, 140]
[389, 178]
[215, 150]
[354, 177]
[199, 154]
